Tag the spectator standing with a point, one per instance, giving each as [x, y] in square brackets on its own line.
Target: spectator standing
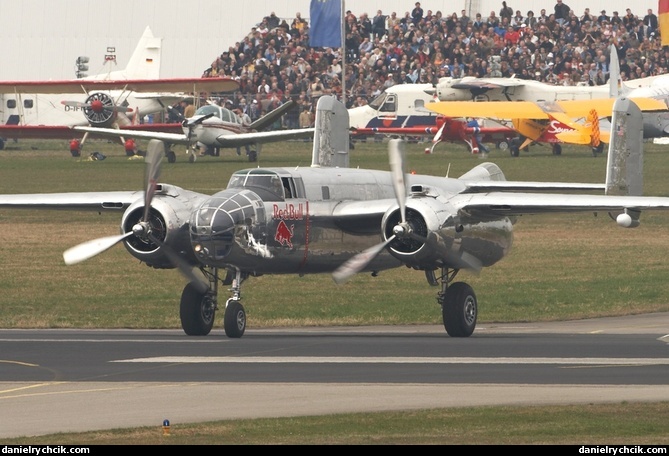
[417, 14]
[379, 25]
[650, 23]
[189, 109]
[505, 12]
[602, 17]
[561, 13]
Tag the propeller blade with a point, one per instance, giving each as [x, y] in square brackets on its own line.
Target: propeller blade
[89, 249]
[396, 158]
[76, 104]
[154, 155]
[186, 269]
[358, 262]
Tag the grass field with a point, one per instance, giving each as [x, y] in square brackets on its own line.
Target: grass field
[561, 267]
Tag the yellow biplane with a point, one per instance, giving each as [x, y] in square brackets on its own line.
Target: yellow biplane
[555, 123]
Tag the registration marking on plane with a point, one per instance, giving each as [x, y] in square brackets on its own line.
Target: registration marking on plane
[394, 360]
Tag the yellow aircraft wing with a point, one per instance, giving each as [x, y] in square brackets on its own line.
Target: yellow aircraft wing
[491, 110]
[536, 110]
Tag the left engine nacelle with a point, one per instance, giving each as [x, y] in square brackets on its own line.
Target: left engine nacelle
[168, 218]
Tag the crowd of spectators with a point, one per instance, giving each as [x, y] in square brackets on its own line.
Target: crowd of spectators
[556, 45]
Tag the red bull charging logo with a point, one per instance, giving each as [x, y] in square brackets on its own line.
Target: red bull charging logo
[284, 234]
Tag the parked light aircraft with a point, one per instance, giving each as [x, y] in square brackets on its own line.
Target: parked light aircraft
[47, 109]
[400, 110]
[323, 218]
[214, 126]
[554, 122]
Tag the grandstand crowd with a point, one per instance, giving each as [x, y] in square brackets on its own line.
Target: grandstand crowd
[556, 45]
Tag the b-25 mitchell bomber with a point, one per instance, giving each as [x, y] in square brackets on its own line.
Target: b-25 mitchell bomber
[332, 219]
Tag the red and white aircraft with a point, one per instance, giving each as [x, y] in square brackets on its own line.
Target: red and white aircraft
[401, 110]
[48, 109]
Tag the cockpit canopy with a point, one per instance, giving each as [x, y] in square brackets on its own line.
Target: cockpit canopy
[218, 111]
[266, 183]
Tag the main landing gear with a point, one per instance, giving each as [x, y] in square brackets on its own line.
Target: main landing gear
[459, 307]
[198, 308]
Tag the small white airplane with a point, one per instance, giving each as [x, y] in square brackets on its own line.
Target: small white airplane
[119, 98]
[213, 126]
[331, 218]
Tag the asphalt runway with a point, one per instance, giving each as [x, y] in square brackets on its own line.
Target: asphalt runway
[81, 380]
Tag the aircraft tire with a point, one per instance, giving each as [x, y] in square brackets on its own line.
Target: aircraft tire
[598, 150]
[514, 150]
[460, 310]
[253, 156]
[197, 311]
[171, 156]
[502, 145]
[557, 149]
[2, 144]
[234, 321]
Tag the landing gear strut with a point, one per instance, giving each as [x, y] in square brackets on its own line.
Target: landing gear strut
[459, 307]
[198, 308]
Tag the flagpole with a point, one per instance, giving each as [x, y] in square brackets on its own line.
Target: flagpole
[343, 52]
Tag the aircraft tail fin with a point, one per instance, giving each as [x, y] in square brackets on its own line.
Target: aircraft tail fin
[624, 169]
[615, 80]
[331, 138]
[144, 62]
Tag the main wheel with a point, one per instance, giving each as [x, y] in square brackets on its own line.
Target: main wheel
[234, 321]
[171, 156]
[460, 310]
[2, 144]
[197, 311]
[598, 150]
[557, 149]
[253, 156]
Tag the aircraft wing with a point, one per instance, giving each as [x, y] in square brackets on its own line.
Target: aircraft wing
[535, 111]
[257, 137]
[64, 132]
[511, 186]
[491, 110]
[88, 201]
[194, 85]
[174, 138]
[497, 203]
[487, 83]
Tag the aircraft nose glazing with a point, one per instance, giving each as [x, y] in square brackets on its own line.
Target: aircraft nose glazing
[220, 223]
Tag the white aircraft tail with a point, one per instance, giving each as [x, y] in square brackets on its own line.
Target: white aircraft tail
[144, 62]
[616, 86]
[624, 169]
[331, 138]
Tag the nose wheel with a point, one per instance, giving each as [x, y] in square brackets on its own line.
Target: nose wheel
[234, 321]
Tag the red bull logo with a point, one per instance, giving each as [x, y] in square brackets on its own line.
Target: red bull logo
[283, 212]
[288, 212]
[284, 234]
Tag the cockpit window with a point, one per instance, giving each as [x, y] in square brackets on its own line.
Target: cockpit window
[377, 102]
[258, 179]
[386, 102]
[209, 109]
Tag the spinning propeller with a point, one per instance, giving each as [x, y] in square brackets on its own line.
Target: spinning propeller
[142, 229]
[402, 230]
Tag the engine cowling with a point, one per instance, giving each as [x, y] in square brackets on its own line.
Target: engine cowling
[443, 239]
[168, 218]
[100, 109]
